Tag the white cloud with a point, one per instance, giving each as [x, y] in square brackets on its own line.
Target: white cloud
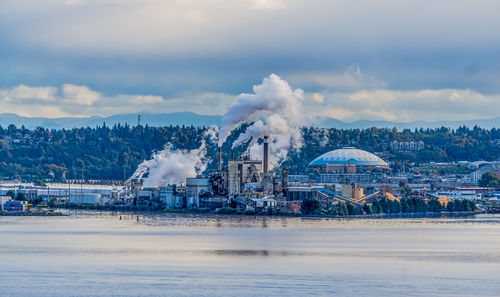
[377, 104]
[353, 78]
[79, 94]
[408, 105]
[141, 99]
[318, 98]
[23, 92]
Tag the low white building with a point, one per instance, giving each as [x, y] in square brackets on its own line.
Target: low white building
[170, 197]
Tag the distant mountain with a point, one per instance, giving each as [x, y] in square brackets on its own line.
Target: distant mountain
[151, 119]
[190, 118]
[325, 122]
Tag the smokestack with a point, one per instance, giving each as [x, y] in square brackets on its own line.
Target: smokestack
[220, 159]
[266, 153]
[232, 155]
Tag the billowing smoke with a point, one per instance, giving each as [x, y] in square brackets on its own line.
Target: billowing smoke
[275, 109]
[171, 166]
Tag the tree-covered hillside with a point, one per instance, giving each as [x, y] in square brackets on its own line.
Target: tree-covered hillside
[114, 152]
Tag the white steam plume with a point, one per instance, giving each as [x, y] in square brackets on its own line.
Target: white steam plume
[276, 110]
[174, 166]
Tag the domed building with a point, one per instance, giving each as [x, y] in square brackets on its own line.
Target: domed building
[347, 160]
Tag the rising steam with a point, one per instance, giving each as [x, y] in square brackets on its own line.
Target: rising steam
[275, 110]
[171, 166]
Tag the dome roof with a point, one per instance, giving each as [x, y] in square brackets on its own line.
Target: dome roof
[348, 155]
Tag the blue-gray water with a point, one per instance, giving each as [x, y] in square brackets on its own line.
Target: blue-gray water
[89, 254]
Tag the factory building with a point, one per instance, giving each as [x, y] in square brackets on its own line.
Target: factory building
[170, 197]
[194, 188]
[241, 172]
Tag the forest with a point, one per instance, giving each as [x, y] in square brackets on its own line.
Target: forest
[113, 153]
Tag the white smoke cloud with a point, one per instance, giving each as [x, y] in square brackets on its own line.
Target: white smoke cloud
[171, 166]
[276, 110]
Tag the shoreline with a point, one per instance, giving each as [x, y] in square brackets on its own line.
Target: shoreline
[33, 214]
[206, 212]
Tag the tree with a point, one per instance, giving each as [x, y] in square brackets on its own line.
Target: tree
[405, 208]
[490, 179]
[433, 205]
[353, 210]
[367, 209]
[404, 189]
[342, 209]
[10, 193]
[20, 197]
[376, 207]
[311, 206]
[451, 206]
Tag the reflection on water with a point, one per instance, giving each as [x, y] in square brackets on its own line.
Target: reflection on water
[100, 253]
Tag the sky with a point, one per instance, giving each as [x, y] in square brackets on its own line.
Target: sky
[398, 60]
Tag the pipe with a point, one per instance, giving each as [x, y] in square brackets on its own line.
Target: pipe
[266, 154]
[219, 167]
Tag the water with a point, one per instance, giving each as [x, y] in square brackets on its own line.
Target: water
[97, 254]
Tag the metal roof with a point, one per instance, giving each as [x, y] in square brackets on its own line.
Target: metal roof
[348, 155]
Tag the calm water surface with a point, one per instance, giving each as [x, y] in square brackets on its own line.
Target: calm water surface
[97, 254]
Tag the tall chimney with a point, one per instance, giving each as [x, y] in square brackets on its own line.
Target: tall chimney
[266, 154]
[220, 159]
[232, 155]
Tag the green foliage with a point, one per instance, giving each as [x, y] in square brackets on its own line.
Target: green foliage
[457, 205]
[377, 207]
[20, 197]
[226, 210]
[433, 205]
[490, 179]
[441, 144]
[39, 183]
[10, 193]
[311, 206]
[405, 189]
[113, 153]
[367, 209]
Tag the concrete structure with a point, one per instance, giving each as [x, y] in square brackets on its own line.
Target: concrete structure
[352, 191]
[59, 191]
[241, 172]
[298, 178]
[469, 193]
[170, 197]
[300, 193]
[195, 187]
[263, 203]
[404, 146]
[328, 178]
[85, 198]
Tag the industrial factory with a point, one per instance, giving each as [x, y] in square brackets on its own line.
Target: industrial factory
[241, 183]
[245, 183]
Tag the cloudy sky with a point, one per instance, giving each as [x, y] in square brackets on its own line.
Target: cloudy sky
[400, 60]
